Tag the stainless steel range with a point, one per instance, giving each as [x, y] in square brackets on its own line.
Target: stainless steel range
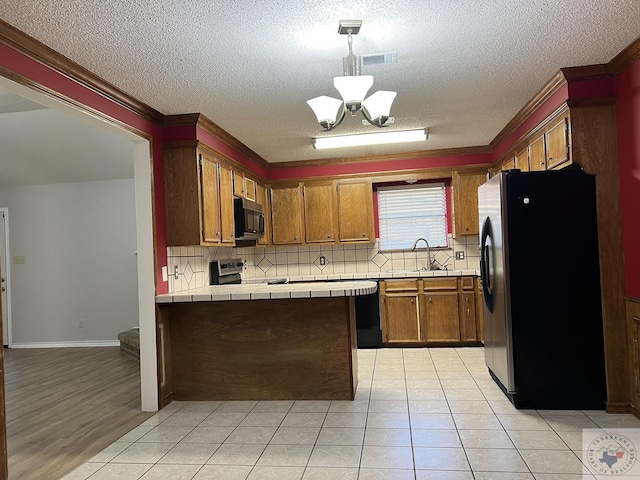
[225, 272]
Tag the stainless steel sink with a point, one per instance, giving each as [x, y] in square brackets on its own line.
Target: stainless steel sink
[417, 270]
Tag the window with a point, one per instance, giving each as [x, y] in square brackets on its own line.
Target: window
[409, 212]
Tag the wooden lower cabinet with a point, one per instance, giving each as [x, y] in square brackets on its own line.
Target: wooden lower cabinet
[400, 311]
[163, 347]
[468, 323]
[428, 311]
[403, 319]
[479, 309]
[633, 323]
[440, 316]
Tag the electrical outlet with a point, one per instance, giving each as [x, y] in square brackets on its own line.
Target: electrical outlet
[323, 261]
[460, 255]
[175, 272]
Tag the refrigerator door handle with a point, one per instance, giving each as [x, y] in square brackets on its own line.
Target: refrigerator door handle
[485, 268]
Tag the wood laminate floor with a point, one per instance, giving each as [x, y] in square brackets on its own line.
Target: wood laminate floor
[64, 405]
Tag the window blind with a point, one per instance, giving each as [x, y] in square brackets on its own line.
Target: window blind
[409, 212]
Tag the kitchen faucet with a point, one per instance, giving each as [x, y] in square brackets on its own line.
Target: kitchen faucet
[428, 251]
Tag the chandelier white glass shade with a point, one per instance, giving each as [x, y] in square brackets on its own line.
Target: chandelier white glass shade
[329, 111]
[353, 89]
[377, 107]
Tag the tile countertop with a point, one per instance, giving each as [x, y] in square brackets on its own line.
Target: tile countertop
[330, 285]
[371, 275]
[263, 291]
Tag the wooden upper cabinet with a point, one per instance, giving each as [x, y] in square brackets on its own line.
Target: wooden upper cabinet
[211, 232]
[522, 160]
[244, 186]
[537, 155]
[286, 215]
[227, 223]
[509, 164]
[238, 183]
[250, 189]
[319, 213]
[549, 147]
[557, 141]
[355, 212]
[194, 198]
[263, 199]
[465, 202]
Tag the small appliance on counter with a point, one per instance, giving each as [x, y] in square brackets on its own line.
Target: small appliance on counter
[225, 272]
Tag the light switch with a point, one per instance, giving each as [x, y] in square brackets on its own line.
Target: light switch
[165, 274]
[21, 260]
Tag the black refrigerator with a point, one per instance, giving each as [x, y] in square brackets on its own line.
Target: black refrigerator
[539, 263]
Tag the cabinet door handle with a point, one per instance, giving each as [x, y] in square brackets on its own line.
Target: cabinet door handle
[217, 234]
[364, 234]
[412, 300]
[329, 236]
[295, 238]
[430, 300]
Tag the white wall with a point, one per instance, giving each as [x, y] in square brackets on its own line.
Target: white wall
[79, 243]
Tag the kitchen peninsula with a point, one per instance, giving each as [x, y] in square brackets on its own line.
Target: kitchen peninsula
[260, 342]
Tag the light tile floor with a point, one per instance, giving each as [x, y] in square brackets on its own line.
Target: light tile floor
[419, 414]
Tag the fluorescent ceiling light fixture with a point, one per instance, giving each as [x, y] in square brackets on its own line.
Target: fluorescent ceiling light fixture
[398, 136]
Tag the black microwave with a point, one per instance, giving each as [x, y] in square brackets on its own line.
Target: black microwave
[249, 219]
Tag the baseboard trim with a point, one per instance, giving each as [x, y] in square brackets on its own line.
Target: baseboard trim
[618, 408]
[78, 343]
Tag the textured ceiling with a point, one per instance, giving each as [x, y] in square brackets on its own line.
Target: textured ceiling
[464, 68]
[64, 150]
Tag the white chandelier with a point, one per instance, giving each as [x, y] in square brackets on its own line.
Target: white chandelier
[352, 88]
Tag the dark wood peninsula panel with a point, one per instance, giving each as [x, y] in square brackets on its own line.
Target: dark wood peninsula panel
[279, 349]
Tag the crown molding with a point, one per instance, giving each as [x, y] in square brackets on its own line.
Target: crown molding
[381, 158]
[590, 102]
[552, 87]
[625, 58]
[181, 120]
[586, 72]
[202, 121]
[36, 50]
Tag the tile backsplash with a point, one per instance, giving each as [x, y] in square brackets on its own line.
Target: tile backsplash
[289, 261]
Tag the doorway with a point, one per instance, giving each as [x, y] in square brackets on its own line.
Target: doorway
[142, 180]
[5, 281]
